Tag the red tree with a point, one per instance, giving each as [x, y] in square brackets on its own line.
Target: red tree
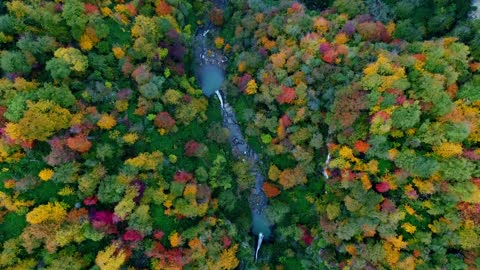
[132, 235]
[243, 81]
[216, 16]
[164, 120]
[286, 121]
[3, 109]
[91, 200]
[191, 147]
[91, 8]
[183, 176]
[330, 56]
[287, 95]
[382, 187]
[270, 190]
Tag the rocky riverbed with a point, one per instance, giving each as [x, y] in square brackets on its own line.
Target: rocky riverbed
[210, 72]
[476, 14]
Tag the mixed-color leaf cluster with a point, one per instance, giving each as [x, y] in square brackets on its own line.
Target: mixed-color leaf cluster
[107, 158]
[399, 119]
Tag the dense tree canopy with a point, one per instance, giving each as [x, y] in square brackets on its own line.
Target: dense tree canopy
[365, 115]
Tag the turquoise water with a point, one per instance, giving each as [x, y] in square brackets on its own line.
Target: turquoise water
[261, 225]
[211, 78]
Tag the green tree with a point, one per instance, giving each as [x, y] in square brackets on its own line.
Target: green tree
[67, 60]
[218, 177]
[59, 69]
[87, 183]
[352, 8]
[141, 220]
[110, 190]
[457, 169]
[244, 177]
[35, 45]
[73, 13]
[58, 94]
[14, 61]
[416, 164]
[469, 90]
[406, 117]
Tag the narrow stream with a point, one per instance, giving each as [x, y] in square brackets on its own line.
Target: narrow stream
[210, 72]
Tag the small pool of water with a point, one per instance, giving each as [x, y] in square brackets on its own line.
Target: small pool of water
[261, 225]
[211, 78]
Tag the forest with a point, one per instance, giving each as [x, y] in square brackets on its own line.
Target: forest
[364, 116]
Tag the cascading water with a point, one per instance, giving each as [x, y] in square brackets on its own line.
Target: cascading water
[210, 72]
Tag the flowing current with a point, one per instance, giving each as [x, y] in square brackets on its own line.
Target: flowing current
[210, 72]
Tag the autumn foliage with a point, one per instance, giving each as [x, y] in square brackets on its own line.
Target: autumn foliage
[270, 190]
[365, 134]
[164, 120]
[96, 108]
[216, 16]
[163, 8]
[292, 177]
[79, 143]
[424, 177]
[287, 95]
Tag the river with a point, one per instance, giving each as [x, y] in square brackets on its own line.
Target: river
[210, 73]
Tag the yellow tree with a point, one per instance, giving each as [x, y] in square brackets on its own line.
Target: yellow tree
[292, 177]
[74, 57]
[11, 204]
[43, 232]
[106, 121]
[448, 149]
[251, 87]
[126, 205]
[47, 212]
[227, 260]
[41, 120]
[146, 161]
[110, 258]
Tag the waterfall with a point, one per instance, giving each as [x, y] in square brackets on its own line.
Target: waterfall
[210, 72]
[219, 98]
[259, 244]
[325, 173]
